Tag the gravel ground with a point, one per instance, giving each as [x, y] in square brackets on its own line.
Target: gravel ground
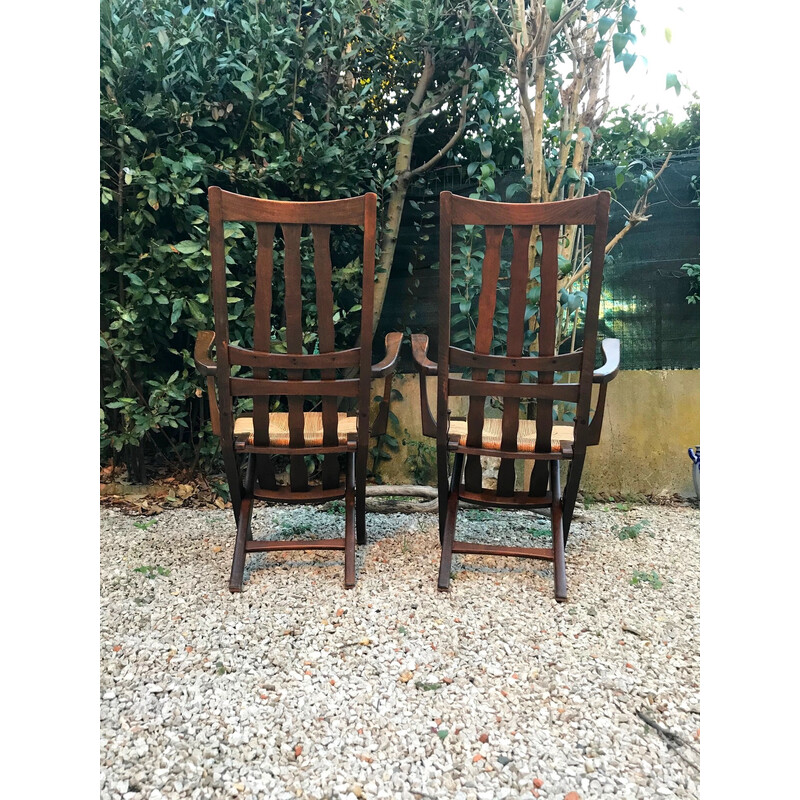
[298, 688]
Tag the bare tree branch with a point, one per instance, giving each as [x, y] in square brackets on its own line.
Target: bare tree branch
[453, 139]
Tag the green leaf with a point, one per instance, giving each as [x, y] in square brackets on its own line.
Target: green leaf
[628, 60]
[604, 24]
[188, 246]
[628, 15]
[486, 149]
[618, 42]
[598, 48]
[673, 82]
[244, 88]
[177, 307]
[554, 9]
[196, 311]
[668, 35]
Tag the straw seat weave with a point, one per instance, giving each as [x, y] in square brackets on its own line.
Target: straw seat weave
[492, 434]
[279, 428]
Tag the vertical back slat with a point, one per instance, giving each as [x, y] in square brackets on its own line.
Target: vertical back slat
[483, 344]
[262, 335]
[365, 361]
[325, 330]
[548, 302]
[592, 313]
[517, 302]
[293, 305]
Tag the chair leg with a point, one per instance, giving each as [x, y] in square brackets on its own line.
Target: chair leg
[233, 475]
[571, 490]
[350, 525]
[244, 529]
[557, 528]
[239, 552]
[361, 493]
[442, 483]
[449, 533]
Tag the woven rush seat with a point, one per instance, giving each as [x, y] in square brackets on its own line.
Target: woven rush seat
[492, 434]
[279, 429]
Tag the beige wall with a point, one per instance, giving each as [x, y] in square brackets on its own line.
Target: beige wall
[651, 419]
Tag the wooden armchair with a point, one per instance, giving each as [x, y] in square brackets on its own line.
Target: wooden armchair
[511, 438]
[304, 379]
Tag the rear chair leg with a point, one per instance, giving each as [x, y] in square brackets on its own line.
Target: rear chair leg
[571, 491]
[557, 528]
[449, 532]
[350, 525]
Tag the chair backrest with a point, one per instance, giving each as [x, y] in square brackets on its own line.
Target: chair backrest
[552, 220]
[294, 363]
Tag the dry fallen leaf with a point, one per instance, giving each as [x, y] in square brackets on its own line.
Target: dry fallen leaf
[406, 676]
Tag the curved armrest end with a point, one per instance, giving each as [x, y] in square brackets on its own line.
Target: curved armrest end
[609, 370]
[392, 344]
[419, 349]
[202, 353]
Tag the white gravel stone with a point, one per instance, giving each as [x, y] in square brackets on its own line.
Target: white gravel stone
[297, 688]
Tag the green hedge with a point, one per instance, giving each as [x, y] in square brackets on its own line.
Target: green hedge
[255, 97]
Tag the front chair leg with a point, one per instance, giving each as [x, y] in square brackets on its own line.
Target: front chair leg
[449, 533]
[243, 512]
[571, 491]
[557, 528]
[349, 524]
[441, 488]
[239, 550]
[361, 494]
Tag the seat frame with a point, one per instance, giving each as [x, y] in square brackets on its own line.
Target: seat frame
[259, 480]
[465, 480]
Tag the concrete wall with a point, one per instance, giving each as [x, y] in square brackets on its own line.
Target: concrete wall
[651, 419]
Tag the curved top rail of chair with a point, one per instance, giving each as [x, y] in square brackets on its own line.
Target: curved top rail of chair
[347, 211]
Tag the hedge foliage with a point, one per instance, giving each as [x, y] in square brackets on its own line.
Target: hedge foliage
[255, 97]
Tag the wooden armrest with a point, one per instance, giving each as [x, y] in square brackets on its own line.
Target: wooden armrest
[386, 367]
[419, 349]
[202, 353]
[610, 369]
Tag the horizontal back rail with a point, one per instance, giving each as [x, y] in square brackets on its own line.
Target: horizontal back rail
[581, 211]
[568, 362]
[567, 392]
[253, 387]
[240, 208]
[265, 360]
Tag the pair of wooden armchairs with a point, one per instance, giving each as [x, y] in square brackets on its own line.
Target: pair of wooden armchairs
[317, 384]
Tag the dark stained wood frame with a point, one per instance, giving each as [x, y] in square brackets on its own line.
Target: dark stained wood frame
[545, 485]
[259, 482]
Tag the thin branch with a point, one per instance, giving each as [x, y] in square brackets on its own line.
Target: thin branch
[453, 139]
[503, 26]
[639, 210]
[434, 101]
[566, 17]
